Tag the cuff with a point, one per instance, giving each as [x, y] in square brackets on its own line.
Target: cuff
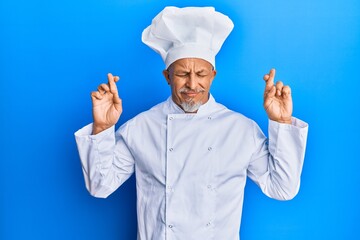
[87, 132]
[287, 134]
[295, 122]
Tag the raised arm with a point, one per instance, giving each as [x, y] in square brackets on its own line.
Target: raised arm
[106, 160]
[277, 163]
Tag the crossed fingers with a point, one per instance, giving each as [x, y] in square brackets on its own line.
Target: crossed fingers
[278, 89]
[106, 88]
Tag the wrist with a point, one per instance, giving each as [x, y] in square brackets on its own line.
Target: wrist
[98, 129]
[284, 121]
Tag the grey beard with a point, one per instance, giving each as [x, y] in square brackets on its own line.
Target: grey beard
[190, 106]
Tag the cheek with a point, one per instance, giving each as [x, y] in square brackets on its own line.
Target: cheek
[205, 84]
[177, 85]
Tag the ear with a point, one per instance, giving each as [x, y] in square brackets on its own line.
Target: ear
[167, 76]
[214, 74]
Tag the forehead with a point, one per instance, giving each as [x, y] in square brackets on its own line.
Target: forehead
[190, 64]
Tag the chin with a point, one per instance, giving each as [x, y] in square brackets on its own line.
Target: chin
[190, 106]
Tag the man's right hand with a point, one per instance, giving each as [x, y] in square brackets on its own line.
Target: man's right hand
[107, 106]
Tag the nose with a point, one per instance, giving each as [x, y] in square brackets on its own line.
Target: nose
[192, 81]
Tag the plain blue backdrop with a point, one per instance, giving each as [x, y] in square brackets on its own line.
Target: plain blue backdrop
[54, 53]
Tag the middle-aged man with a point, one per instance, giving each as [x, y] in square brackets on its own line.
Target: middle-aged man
[191, 155]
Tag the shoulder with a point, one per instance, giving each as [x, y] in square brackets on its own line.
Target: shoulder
[154, 114]
[236, 121]
[227, 114]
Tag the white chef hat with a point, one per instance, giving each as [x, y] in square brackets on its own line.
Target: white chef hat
[190, 32]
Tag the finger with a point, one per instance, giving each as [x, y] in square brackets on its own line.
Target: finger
[279, 87]
[103, 88]
[268, 97]
[269, 79]
[286, 91]
[96, 95]
[266, 77]
[113, 88]
[270, 93]
[110, 78]
[111, 81]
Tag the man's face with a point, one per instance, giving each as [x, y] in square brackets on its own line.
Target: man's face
[190, 80]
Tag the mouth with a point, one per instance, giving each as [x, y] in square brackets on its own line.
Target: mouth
[190, 94]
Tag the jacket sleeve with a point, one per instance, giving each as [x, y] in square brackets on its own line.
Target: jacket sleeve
[277, 163]
[105, 158]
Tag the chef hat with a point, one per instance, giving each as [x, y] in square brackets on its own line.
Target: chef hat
[191, 32]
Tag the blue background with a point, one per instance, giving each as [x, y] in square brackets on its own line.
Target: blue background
[54, 53]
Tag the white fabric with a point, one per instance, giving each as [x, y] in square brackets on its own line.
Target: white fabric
[190, 32]
[191, 169]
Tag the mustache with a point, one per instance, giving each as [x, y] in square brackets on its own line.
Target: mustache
[187, 90]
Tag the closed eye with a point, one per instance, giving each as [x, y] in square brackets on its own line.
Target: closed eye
[201, 75]
[182, 74]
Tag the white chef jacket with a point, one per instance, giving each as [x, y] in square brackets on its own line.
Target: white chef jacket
[191, 169]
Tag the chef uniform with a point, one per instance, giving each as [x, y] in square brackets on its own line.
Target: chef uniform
[191, 169]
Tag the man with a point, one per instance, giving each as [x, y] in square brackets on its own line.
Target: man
[191, 154]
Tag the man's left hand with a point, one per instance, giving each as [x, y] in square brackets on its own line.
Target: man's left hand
[277, 99]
